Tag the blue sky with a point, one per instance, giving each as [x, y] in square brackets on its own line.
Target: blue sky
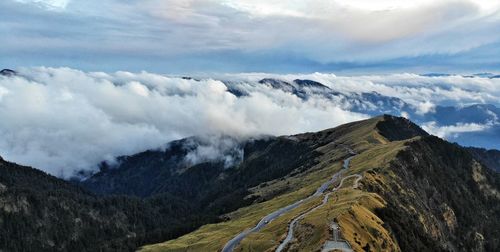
[204, 36]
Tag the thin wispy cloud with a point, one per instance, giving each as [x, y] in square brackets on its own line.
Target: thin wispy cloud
[48, 4]
[211, 35]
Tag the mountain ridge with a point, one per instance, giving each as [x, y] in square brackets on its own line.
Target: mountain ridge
[8, 72]
[156, 196]
[384, 165]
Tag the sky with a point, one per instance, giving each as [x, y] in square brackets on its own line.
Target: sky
[207, 36]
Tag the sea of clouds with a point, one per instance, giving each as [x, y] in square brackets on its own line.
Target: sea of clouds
[64, 120]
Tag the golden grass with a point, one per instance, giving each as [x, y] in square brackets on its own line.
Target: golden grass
[351, 208]
[378, 156]
[271, 235]
[212, 237]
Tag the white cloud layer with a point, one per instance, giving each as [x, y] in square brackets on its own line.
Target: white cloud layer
[423, 92]
[452, 131]
[63, 120]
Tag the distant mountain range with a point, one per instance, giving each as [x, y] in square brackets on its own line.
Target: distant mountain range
[469, 124]
[373, 104]
[480, 75]
[415, 192]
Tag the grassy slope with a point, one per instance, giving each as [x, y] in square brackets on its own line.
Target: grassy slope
[213, 236]
[351, 208]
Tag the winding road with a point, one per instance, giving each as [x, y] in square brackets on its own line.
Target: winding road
[230, 245]
[292, 224]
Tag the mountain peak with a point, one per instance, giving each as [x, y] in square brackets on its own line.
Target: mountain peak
[278, 84]
[310, 83]
[8, 72]
[395, 128]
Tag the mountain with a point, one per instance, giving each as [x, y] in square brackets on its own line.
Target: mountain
[484, 75]
[166, 171]
[438, 197]
[477, 113]
[490, 158]
[436, 75]
[7, 72]
[279, 84]
[371, 103]
[386, 183]
[475, 124]
[414, 192]
[39, 212]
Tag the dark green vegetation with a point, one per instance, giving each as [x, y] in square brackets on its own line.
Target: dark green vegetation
[430, 195]
[210, 187]
[151, 197]
[39, 212]
[440, 199]
[394, 129]
[490, 158]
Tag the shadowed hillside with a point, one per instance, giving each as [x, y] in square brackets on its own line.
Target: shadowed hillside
[490, 158]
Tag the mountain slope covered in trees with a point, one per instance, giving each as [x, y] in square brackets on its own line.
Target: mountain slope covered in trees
[417, 193]
[39, 212]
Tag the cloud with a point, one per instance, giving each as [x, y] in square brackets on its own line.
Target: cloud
[49, 4]
[63, 120]
[425, 107]
[422, 92]
[452, 131]
[247, 35]
[225, 149]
